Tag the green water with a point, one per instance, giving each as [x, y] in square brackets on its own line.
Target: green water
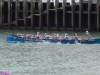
[49, 59]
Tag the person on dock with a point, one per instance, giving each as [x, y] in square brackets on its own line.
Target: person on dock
[87, 34]
[67, 37]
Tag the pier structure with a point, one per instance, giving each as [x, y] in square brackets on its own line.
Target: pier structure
[50, 15]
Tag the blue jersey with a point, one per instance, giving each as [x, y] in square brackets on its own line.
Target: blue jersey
[88, 35]
[75, 38]
[66, 37]
[28, 37]
[47, 38]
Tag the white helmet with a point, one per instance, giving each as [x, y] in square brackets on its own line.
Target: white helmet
[57, 34]
[75, 34]
[86, 31]
[66, 34]
[45, 33]
[54, 34]
[37, 32]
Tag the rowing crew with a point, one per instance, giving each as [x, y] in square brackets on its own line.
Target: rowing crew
[55, 36]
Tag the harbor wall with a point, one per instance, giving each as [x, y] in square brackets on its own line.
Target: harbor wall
[50, 15]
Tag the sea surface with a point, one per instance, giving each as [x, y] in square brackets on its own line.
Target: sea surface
[49, 59]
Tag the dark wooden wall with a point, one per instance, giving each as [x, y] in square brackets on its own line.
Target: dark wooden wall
[46, 16]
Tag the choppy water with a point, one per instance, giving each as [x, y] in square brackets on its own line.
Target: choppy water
[49, 59]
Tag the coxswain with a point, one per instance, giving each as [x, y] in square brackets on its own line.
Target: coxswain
[87, 34]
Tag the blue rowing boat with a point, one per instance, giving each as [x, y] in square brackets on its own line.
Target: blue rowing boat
[13, 39]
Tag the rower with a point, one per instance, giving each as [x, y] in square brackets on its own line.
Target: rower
[55, 37]
[28, 36]
[87, 34]
[76, 37]
[37, 36]
[20, 35]
[66, 37]
[59, 37]
[47, 36]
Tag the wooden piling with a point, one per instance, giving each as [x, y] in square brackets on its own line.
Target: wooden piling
[48, 6]
[24, 12]
[9, 13]
[56, 14]
[32, 9]
[1, 13]
[16, 14]
[64, 14]
[80, 15]
[89, 14]
[72, 6]
[40, 13]
[98, 14]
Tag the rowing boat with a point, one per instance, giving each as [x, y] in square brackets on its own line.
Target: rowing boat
[13, 38]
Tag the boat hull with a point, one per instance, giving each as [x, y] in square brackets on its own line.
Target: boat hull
[14, 38]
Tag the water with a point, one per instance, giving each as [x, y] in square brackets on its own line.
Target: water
[49, 59]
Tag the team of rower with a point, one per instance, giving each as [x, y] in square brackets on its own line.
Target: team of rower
[56, 36]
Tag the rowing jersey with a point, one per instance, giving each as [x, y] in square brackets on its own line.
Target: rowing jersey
[47, 37]
[18, 34]
[76, 38]
[37, 37]
[66, 37]
[87, 34]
